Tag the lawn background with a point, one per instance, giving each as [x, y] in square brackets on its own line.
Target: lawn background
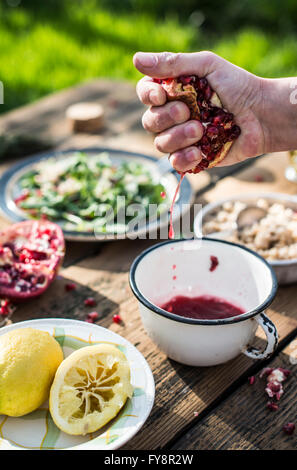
[50, 45]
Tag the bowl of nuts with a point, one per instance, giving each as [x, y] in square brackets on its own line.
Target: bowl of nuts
[263, 222]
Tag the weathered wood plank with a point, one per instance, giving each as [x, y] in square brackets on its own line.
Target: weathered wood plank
[243, 422]
[180, 390]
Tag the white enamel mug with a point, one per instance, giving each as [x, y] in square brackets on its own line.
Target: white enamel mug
[182, 267]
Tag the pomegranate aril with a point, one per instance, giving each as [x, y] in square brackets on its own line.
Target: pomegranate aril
[70, 286]
[116, 319]
[202, 83]
[289, 428]
[207, 93]
[234, 132]
[203, 164]
[214, 262]
[272, 406]
[186, 80]
[204, 115]
[212, 132]
[90, 302]
[251, 380]
[92, 317]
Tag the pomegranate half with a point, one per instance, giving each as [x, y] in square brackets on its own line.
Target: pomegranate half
[31, 253]
[205, 106]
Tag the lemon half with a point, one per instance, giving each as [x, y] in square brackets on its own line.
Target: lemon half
[29, 359]
[90, 388]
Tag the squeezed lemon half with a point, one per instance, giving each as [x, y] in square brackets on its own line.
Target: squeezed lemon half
[90, 388]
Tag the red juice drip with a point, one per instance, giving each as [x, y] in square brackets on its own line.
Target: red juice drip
[204, 307]
[171, 231]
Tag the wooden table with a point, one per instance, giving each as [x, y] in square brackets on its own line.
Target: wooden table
[195, 408]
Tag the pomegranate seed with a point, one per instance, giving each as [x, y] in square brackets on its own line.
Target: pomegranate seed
[214, 263]
[251, 380]
[289, 428]
[90, 302]
[274, 386]
[3, 312]
[116, 319]
[202, 83]
[186, 80]
[272, 406]
[212, 132]
[70, 286]
[235, 132]
[204, 115]
[92, 317]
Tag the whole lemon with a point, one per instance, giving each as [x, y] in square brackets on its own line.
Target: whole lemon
[29, 359]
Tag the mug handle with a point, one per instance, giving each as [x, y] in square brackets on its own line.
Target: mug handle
[271, 335]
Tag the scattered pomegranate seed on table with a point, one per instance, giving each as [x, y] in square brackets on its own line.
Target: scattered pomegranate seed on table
[289, 428]
[272, 406]
[92, 317]
[116, 319]
[70, 286]
[90, 302]
[251, 380]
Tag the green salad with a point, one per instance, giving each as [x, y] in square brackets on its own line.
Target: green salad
[86, 192]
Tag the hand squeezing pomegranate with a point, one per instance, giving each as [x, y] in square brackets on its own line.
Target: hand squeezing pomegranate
[219, 128]
[31, 253]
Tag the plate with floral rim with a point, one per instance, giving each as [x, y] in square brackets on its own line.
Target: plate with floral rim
[37, 431]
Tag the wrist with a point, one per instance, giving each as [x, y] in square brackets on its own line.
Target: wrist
[277, 114]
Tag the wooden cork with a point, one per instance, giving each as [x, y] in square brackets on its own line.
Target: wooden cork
[85, 117]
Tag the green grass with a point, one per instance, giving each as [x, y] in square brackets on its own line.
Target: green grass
[44, 49]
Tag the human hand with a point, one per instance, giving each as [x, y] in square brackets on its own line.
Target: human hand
[240, 92]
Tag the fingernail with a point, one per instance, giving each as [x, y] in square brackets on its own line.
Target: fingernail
[154, 97]
[192, 130]
[146, 59]
[177, 112]
[191, 155]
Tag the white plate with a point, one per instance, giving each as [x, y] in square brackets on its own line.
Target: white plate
[37, 431]
[161, 171]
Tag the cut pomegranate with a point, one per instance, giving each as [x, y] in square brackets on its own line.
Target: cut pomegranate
[31, 253]
[205, 106]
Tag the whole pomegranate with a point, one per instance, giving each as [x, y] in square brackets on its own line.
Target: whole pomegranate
[31, 253]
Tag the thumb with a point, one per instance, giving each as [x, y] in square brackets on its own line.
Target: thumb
[169, 64]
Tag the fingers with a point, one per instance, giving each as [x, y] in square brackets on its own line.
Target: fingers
[168, 64]
[179, 137]
[159, 118]
[186, 159]
[150, 93]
